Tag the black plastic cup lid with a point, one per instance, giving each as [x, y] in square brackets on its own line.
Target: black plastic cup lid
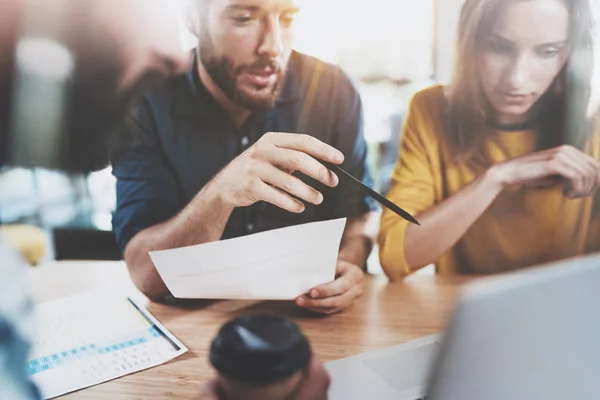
[259, 349]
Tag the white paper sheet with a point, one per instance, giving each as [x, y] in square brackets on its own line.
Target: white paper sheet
[88, 339]
[279, 264]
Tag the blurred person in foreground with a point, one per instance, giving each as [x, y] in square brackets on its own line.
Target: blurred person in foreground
[215, 151]
[117, 49]
[501, 167]
[113, 56]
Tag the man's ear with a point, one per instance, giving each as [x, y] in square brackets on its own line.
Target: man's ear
[192, 22]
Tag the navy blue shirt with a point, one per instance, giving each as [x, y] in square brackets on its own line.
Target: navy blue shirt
[181, 138]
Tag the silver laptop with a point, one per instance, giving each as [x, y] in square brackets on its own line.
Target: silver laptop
[533, 334]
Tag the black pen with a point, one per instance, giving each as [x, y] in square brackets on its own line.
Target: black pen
[381, 199]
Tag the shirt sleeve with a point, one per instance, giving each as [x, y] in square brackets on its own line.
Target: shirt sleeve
[412, 188]
[147, 191]
[347, 200]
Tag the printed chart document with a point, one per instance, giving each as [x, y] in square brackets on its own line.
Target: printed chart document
[88, 339]
[280, 264]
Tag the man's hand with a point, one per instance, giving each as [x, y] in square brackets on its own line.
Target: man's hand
[264, 172]
[314, 386]
[579, 171]
[211, 391]
[335, 296]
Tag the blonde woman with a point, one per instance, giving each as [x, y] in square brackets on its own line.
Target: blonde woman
[501, 167]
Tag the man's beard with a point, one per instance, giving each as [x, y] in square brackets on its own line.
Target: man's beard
[225, 74]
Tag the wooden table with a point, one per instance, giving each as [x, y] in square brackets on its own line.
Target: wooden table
[386, 315]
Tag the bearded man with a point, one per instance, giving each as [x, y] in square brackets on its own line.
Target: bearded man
[236, 146]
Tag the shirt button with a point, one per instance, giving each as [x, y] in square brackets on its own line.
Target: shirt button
[245, 141]
[250, 227]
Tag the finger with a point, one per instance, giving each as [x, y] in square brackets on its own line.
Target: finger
[290, 184]
[583, 163]
[597, 167]
[278, 198]
[586, 167]
[210, 391]
[593, 168]
[293, 160]
[315, 384]
[575, 178]
[544, 182]
[586, 179]
[331, 304]
[543, 155]
[544, 164]
[348, 276]
[583, 179]
[319, 310]
[307, 144]
[567, 162]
